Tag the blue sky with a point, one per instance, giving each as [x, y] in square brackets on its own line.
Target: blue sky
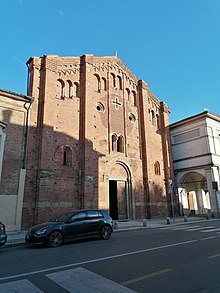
[173, 45]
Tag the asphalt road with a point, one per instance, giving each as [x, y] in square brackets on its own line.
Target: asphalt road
[177, 258]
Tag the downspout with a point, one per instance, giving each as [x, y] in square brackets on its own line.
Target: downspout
[27, 107]
[20, 197]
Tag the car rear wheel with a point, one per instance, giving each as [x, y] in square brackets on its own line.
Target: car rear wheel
[55, 239]
[106, 232]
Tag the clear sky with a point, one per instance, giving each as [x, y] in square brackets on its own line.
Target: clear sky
[173, 45]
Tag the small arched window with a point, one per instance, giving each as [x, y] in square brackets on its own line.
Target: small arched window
[98, 83]
[153, 120]
[69, 89]
[114, 142]
[157, 121]
[128, 94]
[119, 82]
[120, 144]
[157, 168]
[60, 89]
[103, 85]
[76, 89]
[113, 80]
[67, 156]
[134, 98]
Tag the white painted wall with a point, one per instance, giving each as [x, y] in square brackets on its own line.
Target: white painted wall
[196, 148]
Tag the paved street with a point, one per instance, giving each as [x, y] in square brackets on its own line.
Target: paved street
[173, 258]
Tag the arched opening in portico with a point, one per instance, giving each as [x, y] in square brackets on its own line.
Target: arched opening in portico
[193, 194]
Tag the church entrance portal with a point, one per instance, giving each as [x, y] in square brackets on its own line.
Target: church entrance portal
[118, 199]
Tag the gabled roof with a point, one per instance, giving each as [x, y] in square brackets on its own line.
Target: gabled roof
[15, 96]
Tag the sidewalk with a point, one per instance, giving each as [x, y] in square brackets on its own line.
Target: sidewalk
[17, 237]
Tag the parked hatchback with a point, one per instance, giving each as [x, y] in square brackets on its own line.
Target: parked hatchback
[71, 225]
[3, 235]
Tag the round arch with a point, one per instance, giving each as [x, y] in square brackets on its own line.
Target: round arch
[193, 194]
[120, 190]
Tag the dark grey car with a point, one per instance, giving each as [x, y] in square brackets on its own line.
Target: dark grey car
[3, 235]
[71, 225]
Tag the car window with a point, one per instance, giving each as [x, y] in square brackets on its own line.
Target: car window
[94, 214]
[79, 217]
[61, 217]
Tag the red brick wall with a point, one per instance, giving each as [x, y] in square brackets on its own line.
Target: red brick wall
[85, 124]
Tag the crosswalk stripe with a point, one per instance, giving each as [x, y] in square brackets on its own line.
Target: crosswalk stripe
[191, 228]
[80, 280]
[170, 227]
[184, 228]
[20, 286]
[200, 228]
[211, 230]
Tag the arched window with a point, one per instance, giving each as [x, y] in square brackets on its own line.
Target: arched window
[114, 142]
[113, 80]
[134, 98]
[98, 83]
[119, 82]
[60, 89]
[67, 156]
[104, 87]
[128, 94]
[76, 89]
[157, 121]
[117, 143]
[120, 144]
[153, 117]
[157, 168]
[69, 89]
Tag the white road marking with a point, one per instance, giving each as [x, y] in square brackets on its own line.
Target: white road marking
[200, 228]
[184, 228]
[214, 256]
[98, 259]
[20, 286]
[211, 230]
[80, 280]
[208, 238]
[179, 226]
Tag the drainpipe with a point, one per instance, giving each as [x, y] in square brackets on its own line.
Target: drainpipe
[27, 106]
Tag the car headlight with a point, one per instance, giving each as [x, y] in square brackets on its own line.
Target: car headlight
[41, 231]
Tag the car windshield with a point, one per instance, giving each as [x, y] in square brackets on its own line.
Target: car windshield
[62, 217]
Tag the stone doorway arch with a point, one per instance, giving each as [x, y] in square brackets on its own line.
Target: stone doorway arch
[120, 191]
[193, 194]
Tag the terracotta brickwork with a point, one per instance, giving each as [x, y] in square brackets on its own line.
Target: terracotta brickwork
[14, 110]
[98, 139]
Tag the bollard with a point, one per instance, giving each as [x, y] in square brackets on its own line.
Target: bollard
[115, 226]
[168, 220]
[209, 215]
[185, 219]
[144, 222]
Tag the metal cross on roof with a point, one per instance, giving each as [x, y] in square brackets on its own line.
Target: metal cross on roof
[117, 103]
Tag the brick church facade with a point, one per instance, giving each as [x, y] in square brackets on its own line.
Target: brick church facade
[98, 138]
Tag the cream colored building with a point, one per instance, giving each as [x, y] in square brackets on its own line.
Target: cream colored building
[14, 109]
[196, 156]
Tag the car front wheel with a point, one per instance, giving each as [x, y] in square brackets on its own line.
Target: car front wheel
[55, 239]
[106, 232]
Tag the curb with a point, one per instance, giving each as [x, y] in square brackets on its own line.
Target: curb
[150, 225]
